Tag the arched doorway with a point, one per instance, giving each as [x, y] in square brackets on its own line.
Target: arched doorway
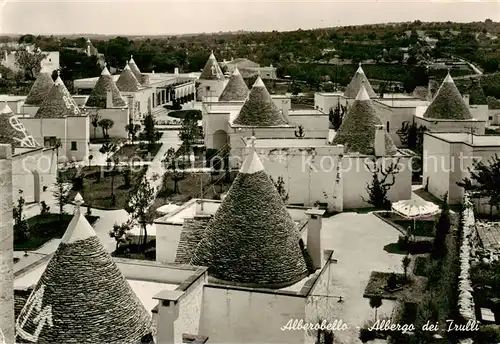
[220, 140]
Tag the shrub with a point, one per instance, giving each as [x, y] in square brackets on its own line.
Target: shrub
[488, 334]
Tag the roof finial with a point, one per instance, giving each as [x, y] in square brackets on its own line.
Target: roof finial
[359, 64]
[78, 202]
[58, 72]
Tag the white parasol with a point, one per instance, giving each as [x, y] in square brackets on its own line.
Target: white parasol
[415, 208]
[167, 208]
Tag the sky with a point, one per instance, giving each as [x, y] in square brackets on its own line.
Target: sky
[150, 17]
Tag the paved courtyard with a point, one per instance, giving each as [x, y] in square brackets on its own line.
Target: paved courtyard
[358, 242]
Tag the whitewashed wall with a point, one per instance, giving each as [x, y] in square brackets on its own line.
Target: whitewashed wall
[32, 170]
[78, 129]
[324, 101]
[216, 88]
[395, 116]
[356, 177]
[242, 316]
[479, 112]
[190, 310]
[315, 125]
[29, 110]
[119, 116]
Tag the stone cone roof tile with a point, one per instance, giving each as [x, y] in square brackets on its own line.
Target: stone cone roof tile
[236, 88]
[12, 131]
[354, 86]
[40, 89]
[191, 234]
[58, 103]
[357, 131]
[99, 93]
[127, 82]
[135, 69]
[82, 296]
[448, 103]
[259, 109]
[212, 70]
[252, 239]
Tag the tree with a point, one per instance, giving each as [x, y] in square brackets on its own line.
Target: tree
[107, 149]
[442, 228]
[140, 206]
[149, 129]
[189, 133]
[175, 168]
[484, 181]
[119, 233]
[299, 132]
[383, 178]
[280, 187]
[61, 194]
[132, 130]
[20, 223]
[30, 62]
[405, 262]
[375, 302]
[337, 117]
[106, 124]
[114, 172]
[95, 123]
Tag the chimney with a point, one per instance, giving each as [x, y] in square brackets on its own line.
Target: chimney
[199, 207]
[7, 320]
[314, 225]
[176, 71]
[109, 100]
[379, 140]
[168, 312]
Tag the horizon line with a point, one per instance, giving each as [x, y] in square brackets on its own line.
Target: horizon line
[231, 31]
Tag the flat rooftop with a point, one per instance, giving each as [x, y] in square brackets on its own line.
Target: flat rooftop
[469, 139]
[11, 98]
[403, 103]
[288, 143]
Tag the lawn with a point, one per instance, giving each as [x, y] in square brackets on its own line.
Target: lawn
[136, 152]
[412, 290]
[97, 187]
[42, 228]
[190, 188]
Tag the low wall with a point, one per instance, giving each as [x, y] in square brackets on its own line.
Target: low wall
[469, 233]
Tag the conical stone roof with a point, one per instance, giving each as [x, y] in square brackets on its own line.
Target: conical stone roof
[127, 82]
[58, 103]
[135, 69]
[476, 94]
[357, 131]
[212, 70]
[40, 88]
[252, 239]
[354, 86]
[99, 94]
[259, 109]
[448, 103]
[236, 88]
[12, 131]
[82, 296]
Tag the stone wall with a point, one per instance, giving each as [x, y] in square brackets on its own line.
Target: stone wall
[467, 246]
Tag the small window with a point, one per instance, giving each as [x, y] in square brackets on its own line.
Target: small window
[73, 146]
[388, 126]
[490, 118]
